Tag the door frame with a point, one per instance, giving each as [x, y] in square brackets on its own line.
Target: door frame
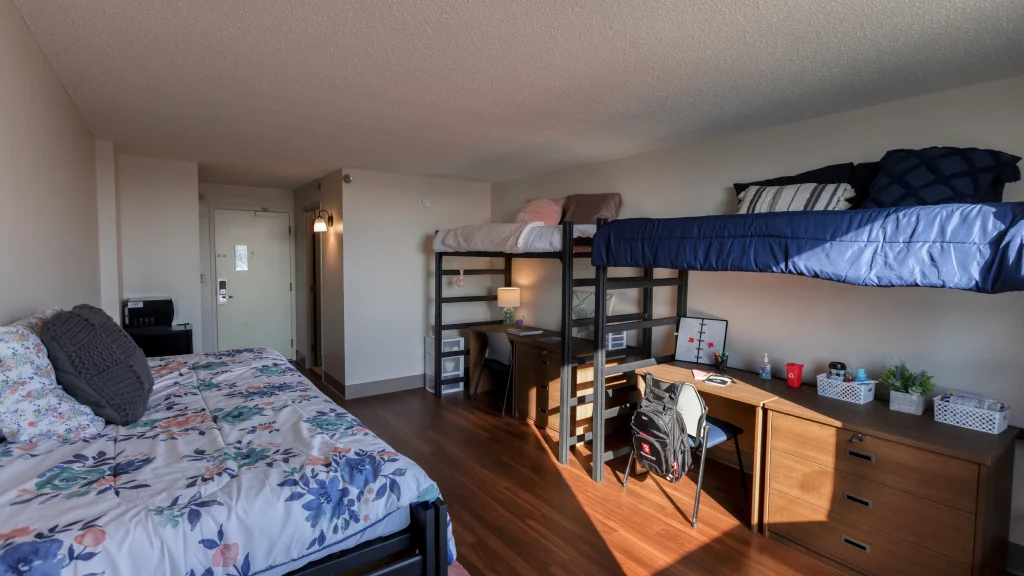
[212, 285]
[306, 255]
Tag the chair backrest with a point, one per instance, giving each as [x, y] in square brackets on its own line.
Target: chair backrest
[499, 347]
[689, 404]
[693, 409]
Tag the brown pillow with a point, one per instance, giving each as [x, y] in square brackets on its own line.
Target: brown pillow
[587, 208]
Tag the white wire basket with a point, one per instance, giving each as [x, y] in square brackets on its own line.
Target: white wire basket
[978, 419]
[856, 392]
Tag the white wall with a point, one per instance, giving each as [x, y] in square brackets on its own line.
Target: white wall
[48, 230]
[158, 207]
[968, 341]
[389, 264]
[212, 197]
[332, 278]
[106, 216]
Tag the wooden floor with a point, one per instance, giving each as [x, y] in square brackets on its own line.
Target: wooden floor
[516, 511]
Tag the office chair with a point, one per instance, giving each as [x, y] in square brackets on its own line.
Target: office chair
[499, 356]
[702, 432]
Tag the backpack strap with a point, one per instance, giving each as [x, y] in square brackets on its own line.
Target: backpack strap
[669, 395]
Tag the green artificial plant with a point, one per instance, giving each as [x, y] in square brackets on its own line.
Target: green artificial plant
[899, 378]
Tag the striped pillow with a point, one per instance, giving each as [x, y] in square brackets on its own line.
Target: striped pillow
[795, 198]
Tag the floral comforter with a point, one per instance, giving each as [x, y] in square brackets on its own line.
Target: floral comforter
[239, 467]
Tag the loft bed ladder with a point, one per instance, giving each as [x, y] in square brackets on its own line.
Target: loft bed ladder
[566, 255]
[645, 322]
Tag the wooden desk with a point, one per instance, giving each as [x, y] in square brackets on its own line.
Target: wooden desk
[740, 402]
[913, 495]
[536, 374]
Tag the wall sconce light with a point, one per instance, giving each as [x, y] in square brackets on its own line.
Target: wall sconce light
[319, 225]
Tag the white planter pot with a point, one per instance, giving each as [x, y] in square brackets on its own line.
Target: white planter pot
[909, 403]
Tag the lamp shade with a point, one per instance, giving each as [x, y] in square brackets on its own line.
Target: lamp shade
[319, 225]
[508, 297]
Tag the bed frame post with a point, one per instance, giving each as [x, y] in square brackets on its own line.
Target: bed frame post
[682, 292]
[438, 306]
[600, 319]
[565, 427]
[648, 310]
[430, 529]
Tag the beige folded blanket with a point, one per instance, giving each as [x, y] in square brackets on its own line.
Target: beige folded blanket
[483, 238]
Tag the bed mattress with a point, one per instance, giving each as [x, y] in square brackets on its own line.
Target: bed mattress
[533, 239]
[976, 247]
[239, 466]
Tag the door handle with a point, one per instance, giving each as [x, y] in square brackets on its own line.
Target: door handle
[860, 455]
[857, 500]
[855, 544]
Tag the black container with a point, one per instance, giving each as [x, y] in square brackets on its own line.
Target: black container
[836, 370]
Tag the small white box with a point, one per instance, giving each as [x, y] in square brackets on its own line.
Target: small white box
[451, 366]
[969, 417]
[615, 341]
[856, 392]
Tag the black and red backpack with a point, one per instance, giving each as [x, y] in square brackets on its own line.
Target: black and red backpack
[659, 433]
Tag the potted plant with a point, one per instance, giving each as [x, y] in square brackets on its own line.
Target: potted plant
[908, 389]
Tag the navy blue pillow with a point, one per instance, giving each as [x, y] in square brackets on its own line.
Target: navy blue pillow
[942, 175]
[834, 174]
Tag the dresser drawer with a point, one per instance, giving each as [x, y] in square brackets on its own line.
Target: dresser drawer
[936, 527]
[853, 543]
[926, 474]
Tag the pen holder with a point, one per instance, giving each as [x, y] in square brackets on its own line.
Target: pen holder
[721, 364]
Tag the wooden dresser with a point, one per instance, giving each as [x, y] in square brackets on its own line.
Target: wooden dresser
[884, 492]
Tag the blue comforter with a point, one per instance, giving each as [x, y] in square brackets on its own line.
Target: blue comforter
[976, 247]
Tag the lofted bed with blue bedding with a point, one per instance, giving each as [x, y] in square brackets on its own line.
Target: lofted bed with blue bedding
[975, 247]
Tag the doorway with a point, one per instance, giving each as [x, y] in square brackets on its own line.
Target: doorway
[314, 270]
[253, 280]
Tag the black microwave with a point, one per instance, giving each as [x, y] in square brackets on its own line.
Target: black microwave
[148, 312]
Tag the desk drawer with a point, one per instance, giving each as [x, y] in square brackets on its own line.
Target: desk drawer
[860, 546]
[922, 473]
[936, 527]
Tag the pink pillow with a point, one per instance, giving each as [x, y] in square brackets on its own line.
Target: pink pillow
[540, 210]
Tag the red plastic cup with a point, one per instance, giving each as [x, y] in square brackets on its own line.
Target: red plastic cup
[794, 374]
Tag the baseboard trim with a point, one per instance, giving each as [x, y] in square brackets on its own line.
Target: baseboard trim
[335, 384]
[377, 387]
[1015, 559]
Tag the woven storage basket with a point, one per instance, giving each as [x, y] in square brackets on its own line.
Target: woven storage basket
[974, 418]
[856, 392]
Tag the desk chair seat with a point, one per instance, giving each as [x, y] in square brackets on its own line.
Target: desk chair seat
[719, 431]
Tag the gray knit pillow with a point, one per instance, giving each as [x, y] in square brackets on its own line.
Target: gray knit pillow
[98, 364]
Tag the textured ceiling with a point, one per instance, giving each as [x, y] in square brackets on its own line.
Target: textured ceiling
[278, 92]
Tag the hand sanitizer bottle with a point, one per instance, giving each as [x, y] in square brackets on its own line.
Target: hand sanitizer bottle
[766, 368]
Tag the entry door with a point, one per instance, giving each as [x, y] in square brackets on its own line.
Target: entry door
[253, 280]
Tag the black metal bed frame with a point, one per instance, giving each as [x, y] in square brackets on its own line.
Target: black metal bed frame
[643, 321]
[602, 323]
[421, 549]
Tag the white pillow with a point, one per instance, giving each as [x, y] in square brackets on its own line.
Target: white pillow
[795, 198]
[33, 406]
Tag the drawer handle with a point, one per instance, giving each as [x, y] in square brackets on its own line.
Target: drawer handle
[857, 438]
[858, 545]
[857, 500]
[543, 386]
[544, 362]
[861, 455]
